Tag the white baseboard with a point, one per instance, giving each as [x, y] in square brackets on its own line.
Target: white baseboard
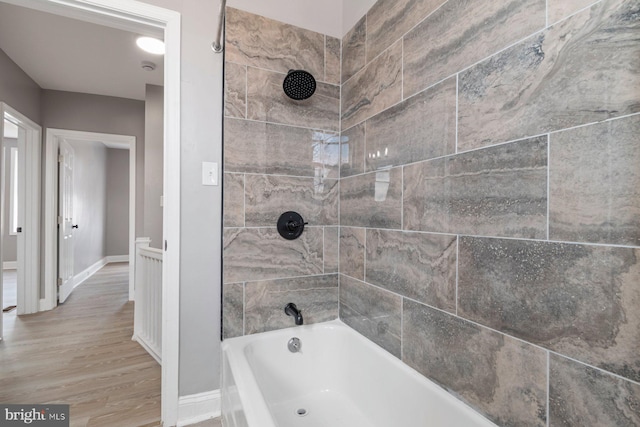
[199, 407]
[80, 278]
[117, 258]
[10, 265]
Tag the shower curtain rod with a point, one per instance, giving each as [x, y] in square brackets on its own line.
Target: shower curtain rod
[217, 44]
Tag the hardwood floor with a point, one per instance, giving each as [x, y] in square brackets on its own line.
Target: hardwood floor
[82, 354]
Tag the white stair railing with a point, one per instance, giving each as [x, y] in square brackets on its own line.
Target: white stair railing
[147, 322]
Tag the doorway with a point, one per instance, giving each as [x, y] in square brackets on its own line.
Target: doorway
[20, 219]
[132, 15]
[55, 138]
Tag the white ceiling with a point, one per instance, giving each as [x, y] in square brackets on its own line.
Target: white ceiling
[65, 54]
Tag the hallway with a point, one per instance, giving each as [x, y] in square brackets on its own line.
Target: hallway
[82, 354]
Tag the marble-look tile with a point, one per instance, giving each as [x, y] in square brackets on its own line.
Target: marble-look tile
[352, 150]
[332, 55]
[560, 9]
[581, 70]
[255, 147]
[583, 396]
[315, 296]
[372, 200]
[233, 310]
[264, 43]
[463, 32]
[267, 197]
[373, 312]
[595, 183]
[388, 20]
[577, 300]
[352, 246]
[266, 101]
[331, 249]
[504, 379]
[419, 266]
[419, 128]
[376, 87]
[353, 49]
[261, 253]
[497, 191]
[235, 90]
[233, 204]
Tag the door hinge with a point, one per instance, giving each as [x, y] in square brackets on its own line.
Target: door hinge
[165, 245]
[59, 220]
[59, 281]
[60, 158]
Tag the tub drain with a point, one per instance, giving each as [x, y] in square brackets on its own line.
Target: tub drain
[301, 412]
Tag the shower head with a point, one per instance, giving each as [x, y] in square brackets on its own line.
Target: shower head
[299, 85]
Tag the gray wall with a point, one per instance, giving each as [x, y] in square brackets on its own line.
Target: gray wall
[101, 114]
[490, 235]
[117, 216]
[283, 160]
[89, 203]
[18, 89]
[153, 167]
[9, 241]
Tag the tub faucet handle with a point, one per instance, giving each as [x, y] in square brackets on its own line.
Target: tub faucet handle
[291, 310]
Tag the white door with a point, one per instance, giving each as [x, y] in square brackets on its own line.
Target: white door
[65, 221]
[21, 229]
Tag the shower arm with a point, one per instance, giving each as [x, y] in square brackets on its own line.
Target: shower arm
[217, 44]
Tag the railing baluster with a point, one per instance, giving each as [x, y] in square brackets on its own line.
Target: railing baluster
[148, 298]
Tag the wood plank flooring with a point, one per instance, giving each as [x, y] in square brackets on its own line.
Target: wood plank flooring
[82, 354]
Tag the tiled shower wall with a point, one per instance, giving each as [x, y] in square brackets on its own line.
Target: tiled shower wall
[279, 155]
[490, 201]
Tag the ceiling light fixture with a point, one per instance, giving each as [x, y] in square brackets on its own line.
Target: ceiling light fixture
[151, 45]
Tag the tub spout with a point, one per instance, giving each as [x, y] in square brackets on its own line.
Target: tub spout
[291, 310]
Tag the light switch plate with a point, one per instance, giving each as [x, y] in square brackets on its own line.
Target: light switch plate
[209, 173]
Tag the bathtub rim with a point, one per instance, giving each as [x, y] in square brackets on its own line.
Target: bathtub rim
[257, 412]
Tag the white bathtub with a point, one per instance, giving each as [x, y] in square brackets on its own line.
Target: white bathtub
[339, 379]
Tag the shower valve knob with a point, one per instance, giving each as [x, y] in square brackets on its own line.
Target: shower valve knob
[290, 225]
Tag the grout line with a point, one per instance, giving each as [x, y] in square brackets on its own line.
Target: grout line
[548, 386]
[477, 236]
[610, 119]
[401, 68]
[402, 328]
[457, 102]
[325, 57]
[613, 374]
[364, 264]
[244, 308]
[457, 268]
[548, 186]
[546, 14]
[240, 119]
[244, 200]
[281, 278]
[283, 73]
[324, 245]
[278, 175]
[364, 151]
[402, 199]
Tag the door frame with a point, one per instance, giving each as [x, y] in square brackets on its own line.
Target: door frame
[136, 16]
[48, 301]
[28, 289]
